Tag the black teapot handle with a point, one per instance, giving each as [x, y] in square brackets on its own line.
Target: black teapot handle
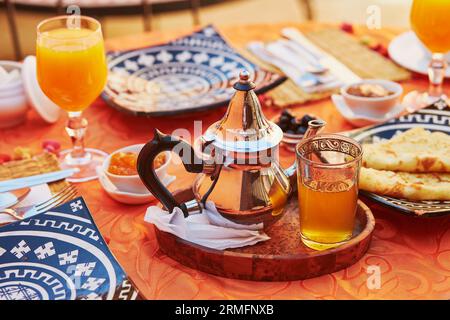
[145, 166]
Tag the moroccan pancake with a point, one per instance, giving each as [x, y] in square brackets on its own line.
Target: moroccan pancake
[404, 185]
[415, 150]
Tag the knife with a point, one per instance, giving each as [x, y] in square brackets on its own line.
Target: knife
[19, 183]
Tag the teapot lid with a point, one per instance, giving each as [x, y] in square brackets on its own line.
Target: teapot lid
[244, 128]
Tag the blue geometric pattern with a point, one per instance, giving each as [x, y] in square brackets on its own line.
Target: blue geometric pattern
[59, 255]
[196, 71]
[435, 117]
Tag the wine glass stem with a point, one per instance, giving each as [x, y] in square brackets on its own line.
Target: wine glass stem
[76, 128]
[436, 74]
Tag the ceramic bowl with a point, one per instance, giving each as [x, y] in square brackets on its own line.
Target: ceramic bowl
[373, 107]
[363, 120]
[13, 100]
[133, 183]
[290, 140]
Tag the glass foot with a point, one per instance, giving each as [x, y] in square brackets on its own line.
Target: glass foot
[87, 165]
[319, 245]
[416, 100]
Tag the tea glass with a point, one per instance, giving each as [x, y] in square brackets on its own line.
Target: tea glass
[327, 175]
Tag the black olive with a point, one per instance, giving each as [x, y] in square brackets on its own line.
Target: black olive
[286, 113]
[293, 124]
[284, 119]
[306, 118]
[301, 130]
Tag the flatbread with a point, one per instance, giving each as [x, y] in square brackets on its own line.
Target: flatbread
[415, 150]
[404, 185]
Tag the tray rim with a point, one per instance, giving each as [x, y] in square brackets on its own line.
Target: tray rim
[364, 236]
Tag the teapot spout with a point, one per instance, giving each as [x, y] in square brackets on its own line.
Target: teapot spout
[314, 127]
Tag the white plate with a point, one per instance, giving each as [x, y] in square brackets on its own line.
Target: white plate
[128, 197]
[407, 51]
[360, 120]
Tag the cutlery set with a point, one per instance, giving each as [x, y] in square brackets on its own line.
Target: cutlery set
[306, 65]
[19, 188]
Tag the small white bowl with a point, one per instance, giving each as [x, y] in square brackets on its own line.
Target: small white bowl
[13, 100]
[128, 197]
[362, 120]
[374, 107]
[133, 184]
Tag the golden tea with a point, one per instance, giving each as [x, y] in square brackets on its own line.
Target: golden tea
[327, 212]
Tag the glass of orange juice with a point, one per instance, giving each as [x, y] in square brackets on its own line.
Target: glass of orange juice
[431, 23]
[72, 71]
[327, 176]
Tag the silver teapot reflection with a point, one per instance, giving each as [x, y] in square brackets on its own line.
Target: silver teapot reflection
[238, 166]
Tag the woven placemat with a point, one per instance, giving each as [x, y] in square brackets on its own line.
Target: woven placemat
[42, 163]
[360, 59]
[363, 61]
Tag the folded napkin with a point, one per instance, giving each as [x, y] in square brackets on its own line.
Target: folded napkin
[207, 229]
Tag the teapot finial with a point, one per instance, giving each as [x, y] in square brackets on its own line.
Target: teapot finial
[244, 83]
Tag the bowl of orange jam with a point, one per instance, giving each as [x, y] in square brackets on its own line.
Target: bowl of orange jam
[120, 168]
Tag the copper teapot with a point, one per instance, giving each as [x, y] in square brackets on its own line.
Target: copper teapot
[238, 166]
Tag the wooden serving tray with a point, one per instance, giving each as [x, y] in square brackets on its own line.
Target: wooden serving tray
[282, 258]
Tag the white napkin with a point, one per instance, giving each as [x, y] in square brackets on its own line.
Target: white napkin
[207, 229]
[37, 194]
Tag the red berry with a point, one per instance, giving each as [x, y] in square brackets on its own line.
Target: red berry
[380, 49]
[383, 51]
[5, 158]
[376, 46]
[54, 144]
[347, 27]
[50, 148]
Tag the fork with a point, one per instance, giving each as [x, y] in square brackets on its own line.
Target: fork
[67, 193]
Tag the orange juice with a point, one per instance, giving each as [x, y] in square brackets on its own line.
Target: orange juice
[327, 212]
[71, 67]
[430, 20]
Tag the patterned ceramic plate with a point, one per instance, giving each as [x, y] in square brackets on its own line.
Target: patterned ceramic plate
[434, 118]
[192, 73]
[60, 255]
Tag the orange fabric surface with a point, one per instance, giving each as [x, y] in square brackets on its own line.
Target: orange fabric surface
[413, 254]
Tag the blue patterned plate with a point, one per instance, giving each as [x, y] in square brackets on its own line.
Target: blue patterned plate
[192, 73]
[436, 117]
[60, 255]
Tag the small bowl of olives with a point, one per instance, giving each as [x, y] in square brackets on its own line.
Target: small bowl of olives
[293, 128]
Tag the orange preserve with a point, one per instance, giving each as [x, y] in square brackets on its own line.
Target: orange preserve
[430, 20]
[71, 66]
[124, 163]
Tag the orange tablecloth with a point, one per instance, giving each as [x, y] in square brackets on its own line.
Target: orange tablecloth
[413, 254]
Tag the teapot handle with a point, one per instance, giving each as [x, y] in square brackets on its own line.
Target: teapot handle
[146, 170]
